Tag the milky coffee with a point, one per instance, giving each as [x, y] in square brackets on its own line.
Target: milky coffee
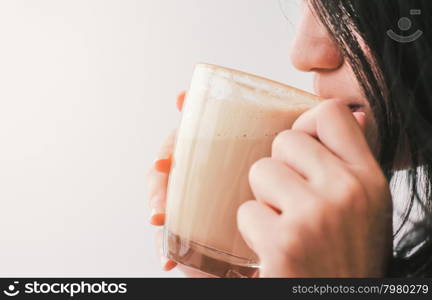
[229, 121]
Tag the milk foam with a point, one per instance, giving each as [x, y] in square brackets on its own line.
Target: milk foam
[226, 103]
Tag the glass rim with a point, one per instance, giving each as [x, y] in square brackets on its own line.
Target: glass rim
[285, 87]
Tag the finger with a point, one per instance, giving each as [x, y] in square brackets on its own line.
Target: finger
[180, 100]
[167, 264]
[257, 222]
[157, 180]
[163, 162]
[314, 162]
[337, 129]
[163, 165]
[157, 183]
[277, 185]
[167, 147]
[157, 186]
[157, 218]
[361, 120]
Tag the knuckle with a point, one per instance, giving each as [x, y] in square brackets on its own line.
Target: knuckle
[348, 188]
[281, 139]
[349, 195]
[285, 138]
[330, 105]
[258, 168]
[245, 216]
[244, 210]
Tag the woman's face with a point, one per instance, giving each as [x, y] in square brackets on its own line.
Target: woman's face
[315, 51]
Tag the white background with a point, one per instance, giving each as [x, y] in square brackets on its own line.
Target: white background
[87, 93]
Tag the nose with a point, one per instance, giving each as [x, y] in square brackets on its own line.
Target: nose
[313, 48]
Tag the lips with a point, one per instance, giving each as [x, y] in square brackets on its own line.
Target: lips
[331, 88]
[342, 86]
[353, 104]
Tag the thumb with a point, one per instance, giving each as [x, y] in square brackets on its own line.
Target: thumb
[361, 120]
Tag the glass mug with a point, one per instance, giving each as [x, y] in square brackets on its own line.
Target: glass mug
[229, 121]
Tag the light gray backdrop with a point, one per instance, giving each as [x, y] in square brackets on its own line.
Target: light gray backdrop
[87, 94]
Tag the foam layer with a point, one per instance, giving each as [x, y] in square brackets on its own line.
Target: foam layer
[254, 88]
[228, 103]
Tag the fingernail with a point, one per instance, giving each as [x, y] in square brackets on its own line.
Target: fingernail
[360, 114]
[157, 218]
[180, 101]
[361, 119]
[167, 264]
[163, 165]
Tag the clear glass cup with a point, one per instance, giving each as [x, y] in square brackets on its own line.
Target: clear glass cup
[229, 121]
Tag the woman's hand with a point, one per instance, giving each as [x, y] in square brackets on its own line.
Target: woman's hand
[157, 182]
[323, 206]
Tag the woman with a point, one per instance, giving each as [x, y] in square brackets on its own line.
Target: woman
[378, 120]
